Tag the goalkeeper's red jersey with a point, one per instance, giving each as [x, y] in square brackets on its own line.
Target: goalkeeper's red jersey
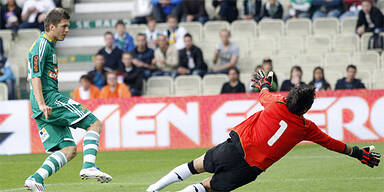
[268, 135]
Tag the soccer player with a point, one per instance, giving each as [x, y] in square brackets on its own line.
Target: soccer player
[259, 141]
[54, 113]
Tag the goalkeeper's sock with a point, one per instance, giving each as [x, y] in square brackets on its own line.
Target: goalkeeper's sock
[51, 165]
[90, 146]
[178, 174]
[194, 188]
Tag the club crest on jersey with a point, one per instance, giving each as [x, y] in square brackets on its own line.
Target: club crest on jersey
[54, 60]
[36, 64]
[43, 135]
[53, 74]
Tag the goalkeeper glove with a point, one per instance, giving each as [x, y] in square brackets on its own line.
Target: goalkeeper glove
[260, 81]
[366, 156]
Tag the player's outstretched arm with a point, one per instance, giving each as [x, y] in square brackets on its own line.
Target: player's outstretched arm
[38, 93]
[365, 155]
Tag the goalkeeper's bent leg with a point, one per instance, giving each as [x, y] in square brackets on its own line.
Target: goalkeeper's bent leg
[179, 173]
[54, 162]
[204, 186]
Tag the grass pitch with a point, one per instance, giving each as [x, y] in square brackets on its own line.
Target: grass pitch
[305, 168]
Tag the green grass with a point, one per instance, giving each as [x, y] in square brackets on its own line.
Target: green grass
[305, 168]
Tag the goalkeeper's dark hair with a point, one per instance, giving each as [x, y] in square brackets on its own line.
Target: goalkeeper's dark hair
[300, 99]
[54, 17]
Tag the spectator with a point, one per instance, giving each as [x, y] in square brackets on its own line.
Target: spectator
[191, 59]
[252, 9]
[353, 8]
[299, 9]
[133, 77]
[227, 52]
[266, 67]
[350, 82]
[226, 10]
[234, 85]
[163, 8]
[327, 8]
[141, 10]
[194, 11]
[151, 33]
[319, 81]
[7, 76]
[111, 53]
[370, 18]
[10, 16]
[272, 9]
[166, 58]
[113, 89]
[97, 75]
[34, 12]
[86, 90]
[123, 40]
[294, 80]
[143, 55]
[175, 33]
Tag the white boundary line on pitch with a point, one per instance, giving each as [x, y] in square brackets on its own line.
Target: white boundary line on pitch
[190, 182]
[160, 160]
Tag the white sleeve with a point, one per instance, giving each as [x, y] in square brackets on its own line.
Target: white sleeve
[304, 7]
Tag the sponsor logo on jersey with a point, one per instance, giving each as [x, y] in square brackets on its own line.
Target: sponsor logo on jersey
[43, 135]
[53, 74]
[36, 64]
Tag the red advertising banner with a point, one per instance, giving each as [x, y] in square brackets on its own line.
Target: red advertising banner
[203, 121]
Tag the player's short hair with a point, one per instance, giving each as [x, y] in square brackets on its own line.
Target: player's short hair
[300, 99]
[108, 33]
[141, 34]
[99, 54]
[120, 22]
[54, 17]
[351, 66]
[86, 77]
[172, 17]
[188, 35]
[368, 1]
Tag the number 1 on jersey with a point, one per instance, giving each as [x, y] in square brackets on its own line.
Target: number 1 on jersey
[279, 132]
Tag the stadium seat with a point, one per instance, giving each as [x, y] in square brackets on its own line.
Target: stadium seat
[367, 61]
[79, 32]
[283, 61]
[246, 79]
[159, 86]
[212, 29]
[188, 85]
[6, 35]
[378, 80]
[365, 76]
[311, 60]
[212, 84]
[3, 92]
[27, 37]
[337, 61]
[319, 43]
[348, 43]
[133, 30]
[364, 41]
[161, 27]
[298, 27]
[208, 48]
[195, 29]
[271, 28]
[332, 76]
[326, 26]
[243, 29]
[248, 64]
[348, 25]
[21, 64]
[262, 45]
[307, 73]
[243, 45]
[291, 45]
